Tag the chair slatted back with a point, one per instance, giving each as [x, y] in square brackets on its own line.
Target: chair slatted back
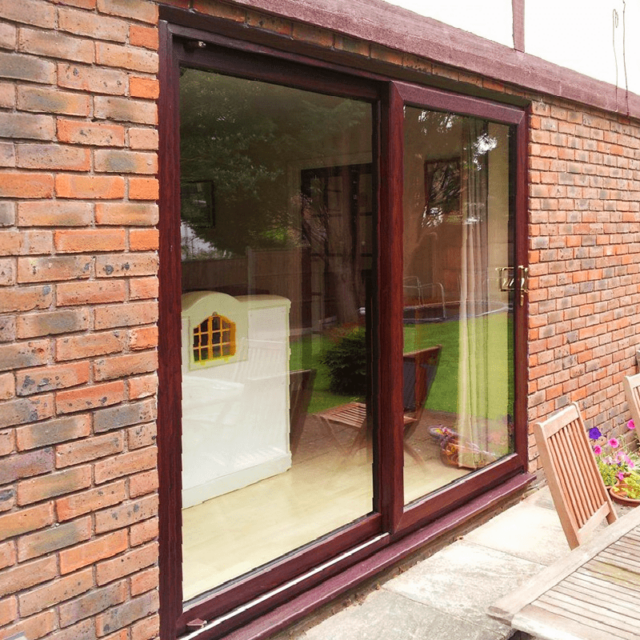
[578, 491]
[420, 368]
[300, 391]
[632, 391]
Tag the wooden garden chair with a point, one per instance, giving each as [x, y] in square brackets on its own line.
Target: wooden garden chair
[632, 391]
[419, 372]
[300, 391]
[578, 491]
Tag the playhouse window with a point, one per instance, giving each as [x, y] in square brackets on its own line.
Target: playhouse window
[214, 338]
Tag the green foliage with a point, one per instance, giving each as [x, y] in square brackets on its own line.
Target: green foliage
[347, 363]
[608, 472]
[631, 486]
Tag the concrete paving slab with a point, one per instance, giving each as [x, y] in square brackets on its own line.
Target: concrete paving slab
[463, 580]
[525, 531]
[386, 615]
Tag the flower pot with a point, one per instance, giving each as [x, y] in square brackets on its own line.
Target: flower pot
[618, 495]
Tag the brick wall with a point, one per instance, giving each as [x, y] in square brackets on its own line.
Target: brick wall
[78, 277]
[78, 288]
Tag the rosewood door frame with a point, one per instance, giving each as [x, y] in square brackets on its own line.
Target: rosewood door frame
[367, 539]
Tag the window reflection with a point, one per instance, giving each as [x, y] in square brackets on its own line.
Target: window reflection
[276, 209]
[458, 245]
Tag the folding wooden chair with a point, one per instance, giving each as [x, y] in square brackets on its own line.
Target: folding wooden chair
[632, 391]
[579, 494]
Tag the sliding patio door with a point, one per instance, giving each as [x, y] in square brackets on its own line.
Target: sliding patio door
[340, 319]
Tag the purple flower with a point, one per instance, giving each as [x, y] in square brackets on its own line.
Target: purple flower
[594, 433]
[613, 443]
[631, 424]
[597, 449]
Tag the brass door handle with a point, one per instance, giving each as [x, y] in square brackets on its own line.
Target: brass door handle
[523, 273]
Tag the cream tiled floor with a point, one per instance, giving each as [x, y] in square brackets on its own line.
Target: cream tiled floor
[324, 489]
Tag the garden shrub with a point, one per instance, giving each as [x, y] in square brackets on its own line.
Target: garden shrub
[346, 360]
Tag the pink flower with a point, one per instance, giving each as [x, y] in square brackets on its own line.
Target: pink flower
[613, 443]
[597, 449]
[631, 424]
[621, 476]
[632, 464]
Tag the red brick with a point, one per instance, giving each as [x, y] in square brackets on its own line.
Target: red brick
[126, 264]
[25, 242]
[144, 239]
[6, 442]
[143, 483]
[27, 575]
[277, 25]
[54, 268]
[137, 9]
[87, 346]
[52, 323]
[125, 464]
[26, 185]
[125, 110]
[143, 387]
[7, 386]
[7, 154]
[53, 484]
[144, 581]
[50, 213]
[91, 133]
[89, 501]
[55, 45]
[30, 381]
[129, 214]
[89, 553]
[91, 187]
[144, 532]
[143, 138]
[134, 313]
[8, 610]
[52, 539]
[143, 338]
[30, 68]
[124, 415]
[126, 57]
[125, 365]
[148, 88]
[92, 603]
[17, 356]
[143, 37]
[7, 272]
[50, 432]
[93, 26]
[85, 630]
[89, 449]
[7, 98]
[8, 555]
[33, 628]
[142, 435]
[324, 38]
[143, 189]
[82, 4]
[28, 12]
[15, 412]
[120, 161]
[53, 156]
[89, 240]
[143, 288]
[99, 395]
[126, 514]
[127, 613]
[25, 520]
[126, 564]
[91, 292]
[26, 299]
[52, 101]
[146, 629]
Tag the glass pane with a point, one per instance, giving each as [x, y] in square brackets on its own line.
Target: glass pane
[458, 298]
[276, 208]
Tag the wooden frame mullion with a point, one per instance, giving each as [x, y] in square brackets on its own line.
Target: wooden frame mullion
[391, 426]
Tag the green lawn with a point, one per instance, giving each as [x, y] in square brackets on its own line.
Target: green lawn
[306, 354]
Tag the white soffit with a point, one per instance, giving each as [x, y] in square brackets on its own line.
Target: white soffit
[491, 19]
